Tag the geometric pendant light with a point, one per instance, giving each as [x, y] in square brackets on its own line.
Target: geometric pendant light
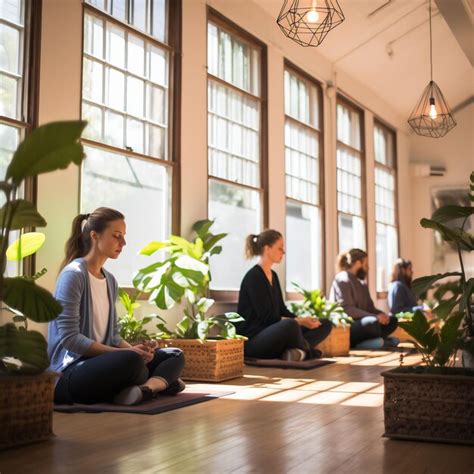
[309, 21]
[431, 116]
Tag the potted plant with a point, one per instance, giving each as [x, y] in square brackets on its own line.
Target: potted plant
[434, 401]
[315, 305]
[26, 389]
[183, 277]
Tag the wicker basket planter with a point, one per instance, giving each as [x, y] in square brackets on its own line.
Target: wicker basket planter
[210, 361]
[26, 408]
[428, 407]
[337, 343]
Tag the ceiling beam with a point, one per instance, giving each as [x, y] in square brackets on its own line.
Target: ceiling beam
[460, 17]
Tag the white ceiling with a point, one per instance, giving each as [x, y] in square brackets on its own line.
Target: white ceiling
[359, 47]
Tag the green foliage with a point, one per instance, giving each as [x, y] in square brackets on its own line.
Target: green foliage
[48, 148]
[183, 275]
[405, 316]
[133, 329]
[438, 346]
[316, 305]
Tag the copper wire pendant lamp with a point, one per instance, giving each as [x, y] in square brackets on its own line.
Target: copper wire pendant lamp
[431, 116]
[309, 21]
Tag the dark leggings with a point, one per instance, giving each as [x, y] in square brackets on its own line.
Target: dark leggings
[369, 327]
[272, 341]
[99, 379]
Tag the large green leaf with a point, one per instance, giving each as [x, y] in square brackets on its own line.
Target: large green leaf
[212, 240]
[153, 247]
[202, 227]
[449, 339]
[30, 347]
[420, 285]
[445, 308]
[26, 245]
[25, 214]
[34, 302]
[420, 330]
[48, 148]
[463, 239]
[449, 213]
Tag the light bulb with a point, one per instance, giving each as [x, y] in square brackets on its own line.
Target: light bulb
[312, 16]
[433, 113]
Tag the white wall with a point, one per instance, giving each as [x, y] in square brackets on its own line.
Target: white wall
[58, 193]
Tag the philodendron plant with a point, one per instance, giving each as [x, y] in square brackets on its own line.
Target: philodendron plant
[439, 339]
[316, 305]
[48, 148]
[183, 276]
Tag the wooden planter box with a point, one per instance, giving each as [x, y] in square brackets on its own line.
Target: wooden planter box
[429, 407]
[210, 361]
[26, 408]
[337, 343]
[401, 334]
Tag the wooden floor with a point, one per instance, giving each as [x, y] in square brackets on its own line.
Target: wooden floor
[326, 420]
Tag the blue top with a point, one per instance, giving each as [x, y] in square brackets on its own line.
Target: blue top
[69, 335]
[401, 298]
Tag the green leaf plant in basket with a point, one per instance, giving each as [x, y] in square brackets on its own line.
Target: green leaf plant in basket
[314, 304]
[182, 276]
[132, 328]
[48, 148]
[452, 329]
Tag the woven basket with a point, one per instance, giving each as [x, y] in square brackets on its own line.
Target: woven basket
[337, 343]
[26, 408]
[210, 361]
[429, 407]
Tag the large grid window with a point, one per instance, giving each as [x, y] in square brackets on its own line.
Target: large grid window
[350, 178]
[234, 146]
[125, 98]
[385, 204]
[17, 73]
[304, 234]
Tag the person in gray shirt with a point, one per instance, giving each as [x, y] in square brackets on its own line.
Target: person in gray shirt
[371, 328]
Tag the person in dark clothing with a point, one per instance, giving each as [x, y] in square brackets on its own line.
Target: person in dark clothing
[273, 331]
[401, 297]
[371, 327]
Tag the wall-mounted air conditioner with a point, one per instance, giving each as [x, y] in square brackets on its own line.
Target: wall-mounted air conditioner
[425, 170]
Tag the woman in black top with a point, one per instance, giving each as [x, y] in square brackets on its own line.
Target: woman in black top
[272, 329]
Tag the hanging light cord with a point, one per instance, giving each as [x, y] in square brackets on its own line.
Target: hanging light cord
[431, 48]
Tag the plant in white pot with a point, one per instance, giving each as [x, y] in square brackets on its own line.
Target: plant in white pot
[183, 277]
[435, 401]
[26, 390]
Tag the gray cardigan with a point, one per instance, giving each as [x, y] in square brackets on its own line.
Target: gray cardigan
[69, 335]
[353, 295]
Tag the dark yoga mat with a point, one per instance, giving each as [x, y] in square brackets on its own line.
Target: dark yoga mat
[158, 405]
[286, 364]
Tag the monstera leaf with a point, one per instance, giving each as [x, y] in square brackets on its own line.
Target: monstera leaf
[29, 347]
[24, 214]
[34, 302]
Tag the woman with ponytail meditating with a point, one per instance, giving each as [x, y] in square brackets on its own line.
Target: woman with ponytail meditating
[371, 328]
[84, 343]
[272, 330]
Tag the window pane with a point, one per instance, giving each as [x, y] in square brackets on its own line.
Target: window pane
[135, 97]
[136, 55]
[387, 253]
[119, 9]
[233, 60]
[233, 135]
[9, 49]
[348, 126]
[9, 97]
[94, 36]
[93, 80]
[351, 233]
[301, 99]
[384, 196]
[139, 14]
[135, 135]
[11, 10]
[114, 129]
[9, 140]
[115, 45]
[128, 185]
[349, 182]
[115, 89]
[303, 246]
[93, 115]
[159, 20]
[237, 212]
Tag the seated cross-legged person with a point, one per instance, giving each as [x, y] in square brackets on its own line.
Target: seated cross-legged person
[84, 343]
[371, 328]
[401, 298]
[273, 331]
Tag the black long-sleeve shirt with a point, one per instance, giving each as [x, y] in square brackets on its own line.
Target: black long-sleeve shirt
[260, 303]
